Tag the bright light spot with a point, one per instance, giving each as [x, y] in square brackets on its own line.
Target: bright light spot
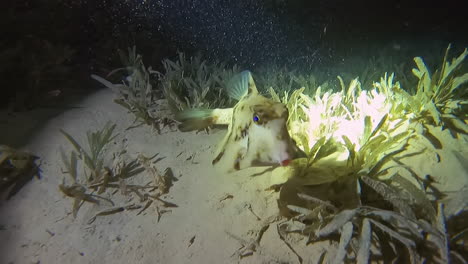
[330, 116]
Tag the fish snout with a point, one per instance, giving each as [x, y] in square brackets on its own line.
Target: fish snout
[285, 158]
[292, 152]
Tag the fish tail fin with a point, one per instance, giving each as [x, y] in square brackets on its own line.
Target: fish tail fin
[195, 119]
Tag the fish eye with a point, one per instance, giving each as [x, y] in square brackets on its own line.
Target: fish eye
[256, 118]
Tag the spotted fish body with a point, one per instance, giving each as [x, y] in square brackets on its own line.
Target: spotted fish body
[257, 133]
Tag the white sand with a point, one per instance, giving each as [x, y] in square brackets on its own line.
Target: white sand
[39, 227]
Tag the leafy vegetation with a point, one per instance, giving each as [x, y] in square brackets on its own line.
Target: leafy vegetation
[16, 169]
[185, 83]
[438, 99]
[195, 83]
[351, 182]
[98, 175]
[136, 89]
[94, 171]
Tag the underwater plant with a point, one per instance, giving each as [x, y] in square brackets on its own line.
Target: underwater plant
[93, 158]
[438, 99]
[279, 79]
[98, 175]
[16, 169]
[94, 170]
[195, 83]
[136, 89]
[348, 190]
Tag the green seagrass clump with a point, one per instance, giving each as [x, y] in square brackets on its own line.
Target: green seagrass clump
[353, 189]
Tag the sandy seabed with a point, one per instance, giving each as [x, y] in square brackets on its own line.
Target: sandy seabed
[217, 214]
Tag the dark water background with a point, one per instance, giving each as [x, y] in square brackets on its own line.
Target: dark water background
[299, 35]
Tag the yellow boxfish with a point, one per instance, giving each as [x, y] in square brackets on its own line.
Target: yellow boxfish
[257, 133]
